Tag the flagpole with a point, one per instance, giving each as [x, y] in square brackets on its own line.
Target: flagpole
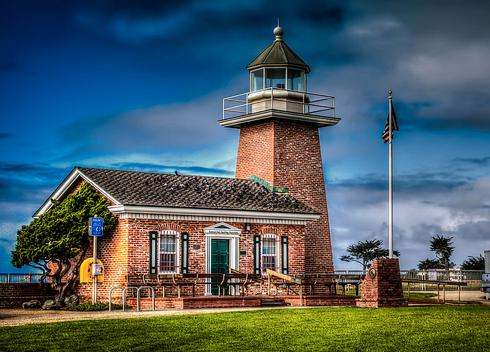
[390, 177]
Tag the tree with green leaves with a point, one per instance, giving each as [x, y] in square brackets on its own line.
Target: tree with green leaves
[56, 242]
[443, 247]
[364, 252]
[428, 264]
[473, 263]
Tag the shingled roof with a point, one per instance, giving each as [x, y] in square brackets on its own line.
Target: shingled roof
[278, 54]
[187, 191]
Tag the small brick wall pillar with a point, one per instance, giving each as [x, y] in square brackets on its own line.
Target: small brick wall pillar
[382, 286]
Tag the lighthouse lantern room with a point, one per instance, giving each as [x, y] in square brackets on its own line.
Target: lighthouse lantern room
[279, 88]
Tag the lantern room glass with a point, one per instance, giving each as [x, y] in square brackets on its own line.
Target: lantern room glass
[275, 78]
[257, 80]
[278, 78]
[296, 80]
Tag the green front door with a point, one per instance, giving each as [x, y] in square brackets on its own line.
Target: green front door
[220, 261]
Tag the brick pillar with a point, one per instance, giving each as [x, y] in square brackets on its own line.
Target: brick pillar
[382, 286]
[288, 154]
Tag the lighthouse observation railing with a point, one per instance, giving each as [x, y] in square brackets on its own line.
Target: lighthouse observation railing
[320, 105]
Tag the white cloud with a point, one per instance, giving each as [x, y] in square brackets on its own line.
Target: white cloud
[460, 212]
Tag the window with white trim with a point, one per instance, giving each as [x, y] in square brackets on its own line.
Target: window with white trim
[269, 252]
[167, 252]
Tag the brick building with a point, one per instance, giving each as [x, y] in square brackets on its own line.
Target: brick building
[272, 215]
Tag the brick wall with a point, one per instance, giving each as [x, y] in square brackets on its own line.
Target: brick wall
[14, 294]
[113, 252]
[138, 243]
[288, 154]
[256, 151]
[126, 252]
[384, 289]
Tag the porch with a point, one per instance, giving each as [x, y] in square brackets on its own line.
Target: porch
[202, 302]
[235, 289]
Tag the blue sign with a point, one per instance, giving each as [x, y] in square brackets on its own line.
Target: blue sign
[96, 227]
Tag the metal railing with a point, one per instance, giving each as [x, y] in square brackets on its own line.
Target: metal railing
[433, 275]
[28, 278]
[443, 275]
[320, 105]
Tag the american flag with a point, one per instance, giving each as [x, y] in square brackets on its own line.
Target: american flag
[394, 124]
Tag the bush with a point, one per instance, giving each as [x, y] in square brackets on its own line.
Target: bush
[89, 307]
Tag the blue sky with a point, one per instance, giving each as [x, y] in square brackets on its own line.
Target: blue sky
[139, 84]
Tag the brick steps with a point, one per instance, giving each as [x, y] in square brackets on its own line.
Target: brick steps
[243, 301]
[273, 302]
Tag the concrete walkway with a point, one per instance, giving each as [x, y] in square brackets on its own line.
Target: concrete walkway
[12, 317]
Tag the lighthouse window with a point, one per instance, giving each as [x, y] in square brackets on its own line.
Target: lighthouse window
[296, 80]
[275, 78]
[257, 80]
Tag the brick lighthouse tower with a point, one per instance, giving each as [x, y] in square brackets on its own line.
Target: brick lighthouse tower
[279, 121]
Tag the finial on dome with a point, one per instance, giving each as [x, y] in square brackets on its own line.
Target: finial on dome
[278, 31]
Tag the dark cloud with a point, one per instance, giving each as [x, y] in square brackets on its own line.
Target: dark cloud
[474, 230]
[423, 232]
[9, 66]
[22, 182]
[149, 20]
[484, 161]
[182, 127]
[35, 170]
[405, 183]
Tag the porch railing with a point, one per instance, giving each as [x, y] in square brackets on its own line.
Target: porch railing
[15, 278]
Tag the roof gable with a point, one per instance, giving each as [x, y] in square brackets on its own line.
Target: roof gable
[66, 185]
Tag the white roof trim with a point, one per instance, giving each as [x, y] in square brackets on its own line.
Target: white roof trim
[136, 209]
[73, 176]
[219, 226]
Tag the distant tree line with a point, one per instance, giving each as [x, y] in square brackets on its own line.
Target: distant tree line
[364, 252]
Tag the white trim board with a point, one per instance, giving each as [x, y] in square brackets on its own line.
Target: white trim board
[73, 176]
[239, 214]
[211, 219]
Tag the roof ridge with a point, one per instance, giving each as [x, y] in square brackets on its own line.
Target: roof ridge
[159, 173]
[265, 53]
[285, 57]
[296, 56]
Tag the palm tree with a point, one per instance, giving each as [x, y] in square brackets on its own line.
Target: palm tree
[443, 248]
[363, 252]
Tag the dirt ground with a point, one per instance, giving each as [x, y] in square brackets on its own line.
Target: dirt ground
[466, 296]
[10, 317]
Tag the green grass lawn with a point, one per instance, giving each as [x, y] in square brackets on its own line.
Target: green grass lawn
[442, 328]
[420, 296]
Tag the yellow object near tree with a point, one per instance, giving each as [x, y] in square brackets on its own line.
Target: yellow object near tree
[86, 271]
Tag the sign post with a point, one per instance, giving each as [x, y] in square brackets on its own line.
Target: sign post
[95, 229]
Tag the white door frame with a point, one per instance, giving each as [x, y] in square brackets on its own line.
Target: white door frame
[222, 231]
